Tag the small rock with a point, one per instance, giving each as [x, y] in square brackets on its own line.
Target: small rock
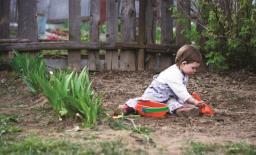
[3, 80]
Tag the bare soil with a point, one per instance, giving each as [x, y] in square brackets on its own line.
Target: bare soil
[233, 96]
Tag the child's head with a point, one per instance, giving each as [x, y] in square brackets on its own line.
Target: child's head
[188, 59]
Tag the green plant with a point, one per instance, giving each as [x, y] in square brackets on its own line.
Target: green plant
[118, 124]
[35, 145]
[217, 60]
[225, 30]
[71, 94]
[30, 68]
[55, 53]
[127, 123]
[39, 146]
[6, 124]
[241, 148]
[57, 90]
[197, 148]
[83, 99]
[68, 92]
[85, 31]
[158, 35]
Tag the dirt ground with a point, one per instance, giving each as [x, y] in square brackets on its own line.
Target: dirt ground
[233, 96]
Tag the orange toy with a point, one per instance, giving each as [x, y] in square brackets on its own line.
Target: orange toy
[204, 108]
[151, 109]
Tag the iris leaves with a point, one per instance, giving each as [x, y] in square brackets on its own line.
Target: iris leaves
[69, 93]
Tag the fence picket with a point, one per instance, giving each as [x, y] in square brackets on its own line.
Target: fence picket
[128, 30]
[124, 48]
[74, 56]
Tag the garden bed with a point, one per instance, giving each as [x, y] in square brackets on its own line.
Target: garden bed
[232, 95]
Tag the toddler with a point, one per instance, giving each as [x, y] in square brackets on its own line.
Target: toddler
[170, 85]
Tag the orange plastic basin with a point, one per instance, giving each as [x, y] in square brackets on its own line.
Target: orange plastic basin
[151, 109]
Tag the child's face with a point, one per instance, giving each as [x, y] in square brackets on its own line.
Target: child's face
[189, 68]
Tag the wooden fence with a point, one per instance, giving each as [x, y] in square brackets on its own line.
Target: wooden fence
[130, 42]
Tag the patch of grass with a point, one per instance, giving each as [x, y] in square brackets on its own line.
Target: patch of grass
[227, 149]
[118, 124]
[241, 148]
[37, 146]
[34, 145]
[128, 124]
[6, 124]
[142, 130]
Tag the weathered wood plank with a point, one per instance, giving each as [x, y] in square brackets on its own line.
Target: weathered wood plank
[112, 20]
[4, 24]
[165, 61]
[94, 32]
[27, 23]
[74, 45]
[112, 60]
[74, 56]
[166, 21]
[112, 28]
[166, 31]
[128, 30]
[150, 59]
[62, 45]
[183, 7]
[150, 21]
[142, 33]
[14, 40]
[4, 18]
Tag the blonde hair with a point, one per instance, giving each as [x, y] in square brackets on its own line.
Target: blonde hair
[188, 53]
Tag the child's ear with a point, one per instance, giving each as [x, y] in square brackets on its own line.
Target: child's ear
[184, 62]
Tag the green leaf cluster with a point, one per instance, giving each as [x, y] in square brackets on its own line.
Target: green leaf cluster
[6, 125]
[225, 31]
[30, 68]
[197, 148]
[69, 93]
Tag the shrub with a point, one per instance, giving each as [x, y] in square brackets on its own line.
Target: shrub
[224, 31]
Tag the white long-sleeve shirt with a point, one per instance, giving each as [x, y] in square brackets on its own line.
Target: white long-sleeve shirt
[170, 83]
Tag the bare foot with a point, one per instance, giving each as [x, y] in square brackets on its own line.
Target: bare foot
[123, 109]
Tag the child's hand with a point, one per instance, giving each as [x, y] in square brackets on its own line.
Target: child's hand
[199, 103]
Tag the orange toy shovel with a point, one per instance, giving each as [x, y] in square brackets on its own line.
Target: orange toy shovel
[204, 108]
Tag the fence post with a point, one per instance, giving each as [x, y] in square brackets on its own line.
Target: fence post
[27, 23]
[4, 24]
[128, 30]
[166, 22]
[111, 56]
[74, 56]
[183, 6]
[142, 31]
[93, 55]
[4, 19]
[150, 59]
[166, 32]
